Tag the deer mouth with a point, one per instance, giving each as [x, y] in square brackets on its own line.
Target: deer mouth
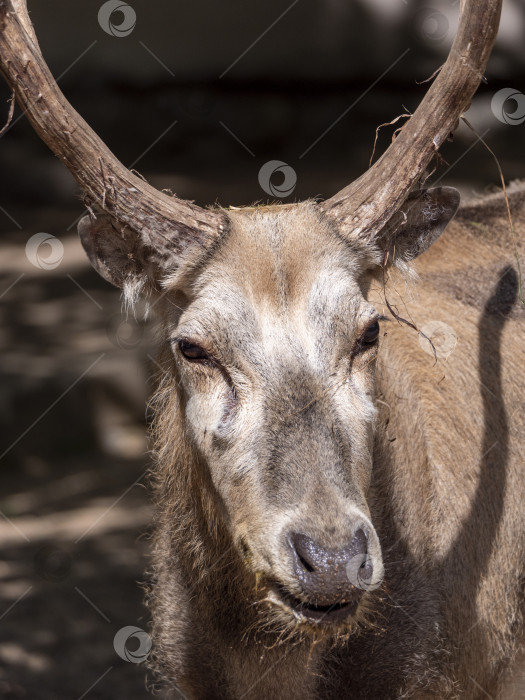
[336, 612]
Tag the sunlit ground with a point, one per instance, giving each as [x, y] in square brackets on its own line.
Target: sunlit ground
[74, 513]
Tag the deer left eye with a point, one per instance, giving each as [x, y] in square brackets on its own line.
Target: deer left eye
[193, 352]
[369, 337]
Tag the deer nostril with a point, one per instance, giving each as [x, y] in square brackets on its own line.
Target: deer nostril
[311, 556]
[359, 544]
[331, 573]
[305, 563]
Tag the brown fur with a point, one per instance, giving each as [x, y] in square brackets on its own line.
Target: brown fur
[446, 490]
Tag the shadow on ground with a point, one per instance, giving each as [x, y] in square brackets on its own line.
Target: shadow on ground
[74, 512]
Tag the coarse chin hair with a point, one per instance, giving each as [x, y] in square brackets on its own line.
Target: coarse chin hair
[276, 624]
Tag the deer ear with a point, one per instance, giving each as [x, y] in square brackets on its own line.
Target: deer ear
[136, 261]
[113, 254]
[418, 223]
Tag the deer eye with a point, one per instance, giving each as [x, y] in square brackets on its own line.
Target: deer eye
[193, 352]
[369, 337]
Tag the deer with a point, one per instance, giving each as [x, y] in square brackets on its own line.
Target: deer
[339, 513]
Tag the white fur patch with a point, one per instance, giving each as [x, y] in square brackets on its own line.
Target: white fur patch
[204, 412]
[132, 291]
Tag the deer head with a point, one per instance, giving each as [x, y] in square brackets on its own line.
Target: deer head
[270, 336]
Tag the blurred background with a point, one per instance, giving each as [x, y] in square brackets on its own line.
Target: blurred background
[199, 98]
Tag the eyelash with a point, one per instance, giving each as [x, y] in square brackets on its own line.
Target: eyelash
[363, 344]
[185, 347]
[202, 357]
[206, 359]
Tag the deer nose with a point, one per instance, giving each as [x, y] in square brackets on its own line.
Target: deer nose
[331, 576]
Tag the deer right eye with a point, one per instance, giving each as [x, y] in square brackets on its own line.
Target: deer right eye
[193, 352]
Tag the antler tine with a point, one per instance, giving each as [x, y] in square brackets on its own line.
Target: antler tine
[363, 207]
[108, 184]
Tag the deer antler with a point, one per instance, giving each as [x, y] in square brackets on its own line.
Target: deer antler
[363, 207]
[158, 220]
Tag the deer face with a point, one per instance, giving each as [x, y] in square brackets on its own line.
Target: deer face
[275, 353]
[273, 345]
[274, 348]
